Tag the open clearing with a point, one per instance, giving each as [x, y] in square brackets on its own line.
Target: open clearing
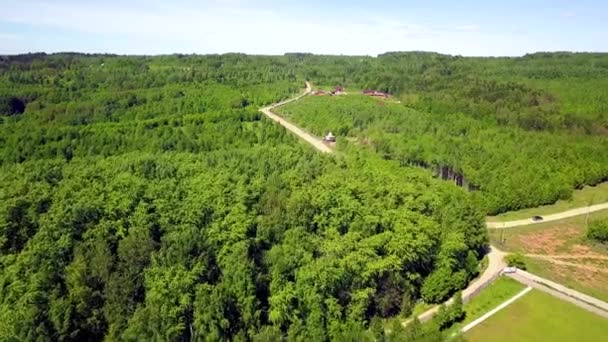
[538, 316]
[559, 251]
[557, 237]
[580, 198]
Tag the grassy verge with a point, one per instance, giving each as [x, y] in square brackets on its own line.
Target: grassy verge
[580, 198]
[420, 308]
[540, 317]
[492, 296]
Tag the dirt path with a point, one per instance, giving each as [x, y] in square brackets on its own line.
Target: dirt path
[548, 218]
[309, 138]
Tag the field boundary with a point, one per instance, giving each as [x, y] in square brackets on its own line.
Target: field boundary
[582, 300]
[496, 309]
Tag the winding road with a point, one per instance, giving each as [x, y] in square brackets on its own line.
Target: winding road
[496, 263]
[309, 138]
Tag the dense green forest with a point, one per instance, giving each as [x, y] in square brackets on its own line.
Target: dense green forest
[523, 131]
[510, 167]
[145, 198]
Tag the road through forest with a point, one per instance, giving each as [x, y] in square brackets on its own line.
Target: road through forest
[496, 263]
[314, 141]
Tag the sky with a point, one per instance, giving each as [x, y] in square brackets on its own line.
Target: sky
[354, 27]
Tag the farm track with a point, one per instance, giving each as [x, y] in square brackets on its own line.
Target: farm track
[309, 138]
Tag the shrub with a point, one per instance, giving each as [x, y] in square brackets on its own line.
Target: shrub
[598, 231]
[11, 106]
[448, 315]
[441, 283]
[407, 304]
[516, 260]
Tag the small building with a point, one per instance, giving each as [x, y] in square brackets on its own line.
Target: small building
[375, 93]
[329, 137]
[338, 90]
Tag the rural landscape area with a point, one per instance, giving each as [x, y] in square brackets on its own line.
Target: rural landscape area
[296, 196]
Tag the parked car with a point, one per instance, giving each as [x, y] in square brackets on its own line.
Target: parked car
[509, 269]
[537, 218]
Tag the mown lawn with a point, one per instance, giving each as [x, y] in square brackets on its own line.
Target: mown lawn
[538, 316]
[580, 198]
[492, 296]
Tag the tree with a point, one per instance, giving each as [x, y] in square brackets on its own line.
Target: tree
[11, 105]
[516, 260]
[598, 231]
[407, 304]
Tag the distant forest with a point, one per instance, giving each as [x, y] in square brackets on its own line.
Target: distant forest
[146, 198]
[520, 132]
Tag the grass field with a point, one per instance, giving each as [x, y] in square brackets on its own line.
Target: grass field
[580, 198]
[575, 262]
[591, 278]
[537, 316]
[499, 291]
[555, 237]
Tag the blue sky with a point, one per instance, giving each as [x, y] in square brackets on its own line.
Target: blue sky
[469, 28]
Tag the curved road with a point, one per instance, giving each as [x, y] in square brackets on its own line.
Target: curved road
[314, 141]
[496, 263]
[495, 266]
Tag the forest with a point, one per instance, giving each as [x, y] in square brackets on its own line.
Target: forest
[520, 132]
[146, 198]
[506, 167]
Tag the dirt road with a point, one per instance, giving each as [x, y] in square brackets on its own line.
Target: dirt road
[309, 138]
[548, 218]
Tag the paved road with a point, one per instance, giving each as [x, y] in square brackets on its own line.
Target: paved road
[579, 299]
[495, 266]
[548, 218]
[314, 141]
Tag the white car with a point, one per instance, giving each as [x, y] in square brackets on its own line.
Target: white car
[509, 270]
